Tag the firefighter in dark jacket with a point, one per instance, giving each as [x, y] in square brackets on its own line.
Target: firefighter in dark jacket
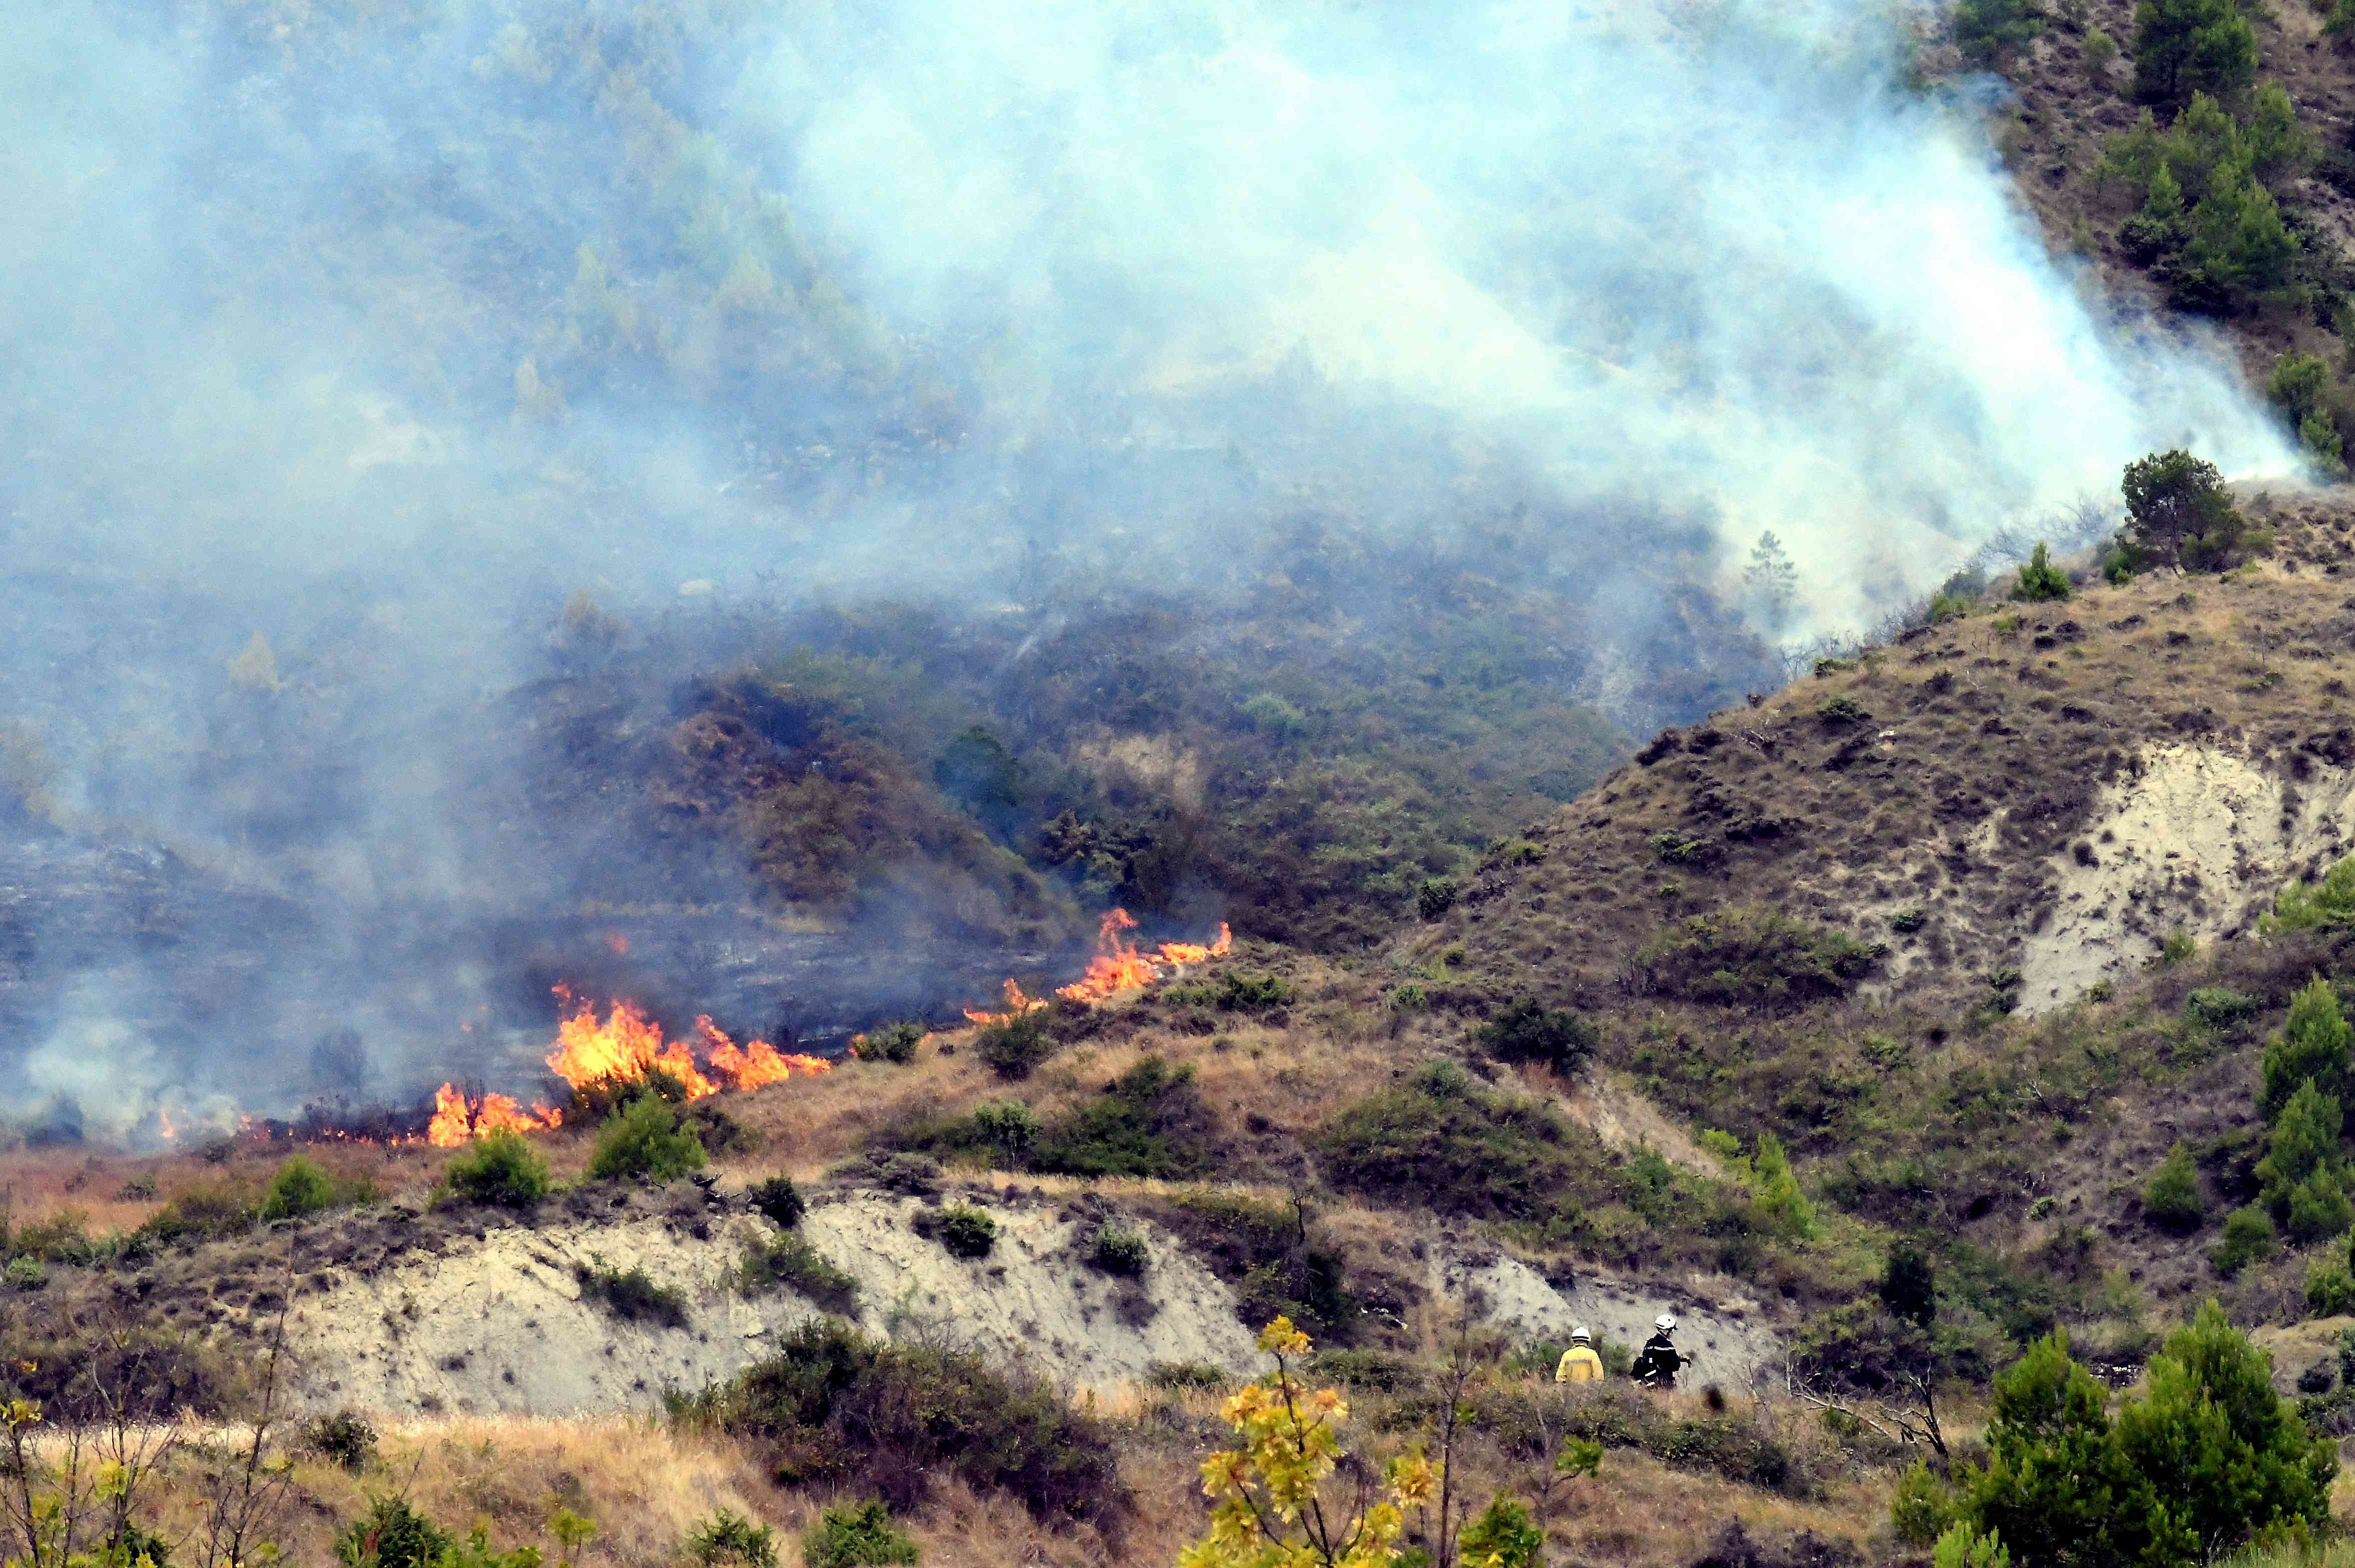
[1657, 1366]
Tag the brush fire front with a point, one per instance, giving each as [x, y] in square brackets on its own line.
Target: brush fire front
[626, 1046]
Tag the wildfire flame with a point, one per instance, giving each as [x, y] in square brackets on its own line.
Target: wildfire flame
[1119, 964]
[623, 1046]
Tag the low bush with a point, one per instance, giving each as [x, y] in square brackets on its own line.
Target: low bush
[890, 1043]
[1268, 1252]
[834, 1408]
[728, 1536]
[966, 1232]
[1529, 1031]
[1836, 711]
[1737, 956]
[27, 1272]
[205, 1213]
[300, 1188]
[2248, 1237]
[1438, 1140]
[2220, 1007]
[1150, 1122]
[855, 1537]
[2329, 1288]
[777, 1200]
[645, 1142]
[2041, 582]
[393, 1535]
[500, 1170]
[1922, 1505]
[1117, 1250]
[2172, 1197]
[1178, 1376]
[633, 1294]
[790, 1261]
[1014, 1048]
[342, 1437]
[1436, 897]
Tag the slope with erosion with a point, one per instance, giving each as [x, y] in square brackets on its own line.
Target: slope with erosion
[2049, 789]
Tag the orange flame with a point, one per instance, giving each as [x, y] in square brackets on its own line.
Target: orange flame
[627, 1047]
[755, 1063]
[458, 1119]
[1118, 965]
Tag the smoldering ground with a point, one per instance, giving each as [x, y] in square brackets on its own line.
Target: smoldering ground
[377, 334]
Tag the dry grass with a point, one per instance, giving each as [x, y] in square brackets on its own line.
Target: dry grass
[646, 1484]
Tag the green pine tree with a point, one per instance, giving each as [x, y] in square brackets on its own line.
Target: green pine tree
[2304, 1146]
[2315, 1044]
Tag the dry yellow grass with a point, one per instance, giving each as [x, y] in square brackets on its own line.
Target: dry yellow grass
[646, 1484]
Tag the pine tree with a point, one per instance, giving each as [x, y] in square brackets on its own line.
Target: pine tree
[2315, 1044]
[1771, 582]
[2228, 1454]
[2299, 1177]
[2172, 1197]
[2187, 46]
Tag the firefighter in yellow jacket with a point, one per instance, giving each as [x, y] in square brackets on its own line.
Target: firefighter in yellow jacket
[1580, 1364]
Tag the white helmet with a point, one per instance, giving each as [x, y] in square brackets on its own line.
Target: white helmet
[1665, 1321]
[1579, 1334]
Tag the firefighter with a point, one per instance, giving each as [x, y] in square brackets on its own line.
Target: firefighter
[1658, 1364]
[1580, 1364]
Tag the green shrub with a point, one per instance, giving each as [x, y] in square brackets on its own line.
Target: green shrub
[25, 1273]
[966, 1232]
[2100, 51]
[1675, 848]
[2172, 1197]
[789, 1259]
[2177, 948]
[729, 1537]
[2312, 1047]
[1777, 1187]
[632, 1296]
[1907, 920]
[1150, 1122]
[889, 1042]
[1922, 1505]
[393, 1535]
[778, 1200]
[1440, 1141]
[1526, 1029]
[2329, 1288]
[2220, 1007]
[1752, 957]
[1409, 996]
[1240, 993]
[1180, 1376]
[1119, 1251]
[856, 1537]
[342, 1437]
[876, 1418]
[1504, 1536]
[1436, 897]
[1008, 1129]
[1834, 712]
[2327, 905]
[2206, 1458]
[1271, 715]
[500, 1170]
[646, 1142]
[1987, 31]
[2041, 582]
[1015, 1047]
[300, 1188]
[2178, 512]
[2299, 1178]
[2248, 1237]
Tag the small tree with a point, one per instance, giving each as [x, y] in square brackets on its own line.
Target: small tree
[645, 1140]
[2172, 1197]
[300, 1188]
[1529, 1031]
[2299, 1177]
[2327, 905]
[1772, 584]
[1778, 1190]
[500, 1170]
[2053, 1486]
[1268, 1501]
[1988, 31]
[2182, 47]
[2178, 512]
[2248, 1236]
[2039, 579]
[1908, 1288]
[2316, 1045]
